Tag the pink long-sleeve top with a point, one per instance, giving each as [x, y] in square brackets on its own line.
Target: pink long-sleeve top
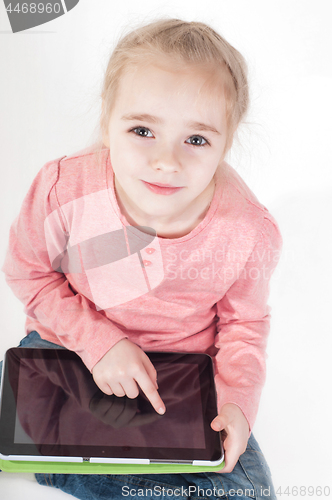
[88, 279]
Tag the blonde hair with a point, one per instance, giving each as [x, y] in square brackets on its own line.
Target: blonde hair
[190, 42]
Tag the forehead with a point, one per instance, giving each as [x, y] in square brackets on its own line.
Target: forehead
[165, 84]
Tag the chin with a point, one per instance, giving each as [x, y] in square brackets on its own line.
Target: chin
[155, 211]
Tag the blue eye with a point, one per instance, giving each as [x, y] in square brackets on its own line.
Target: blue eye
[197, 140]
[142, 131]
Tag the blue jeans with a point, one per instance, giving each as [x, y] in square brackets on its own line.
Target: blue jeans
[250, 478]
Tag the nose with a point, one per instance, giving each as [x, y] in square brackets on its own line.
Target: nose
[166, 157]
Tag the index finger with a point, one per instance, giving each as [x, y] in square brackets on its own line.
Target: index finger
[149, 389]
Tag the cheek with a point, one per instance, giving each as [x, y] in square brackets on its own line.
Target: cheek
[203, 166]
[126, 161]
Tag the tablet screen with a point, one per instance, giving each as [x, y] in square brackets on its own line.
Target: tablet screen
[51, 406]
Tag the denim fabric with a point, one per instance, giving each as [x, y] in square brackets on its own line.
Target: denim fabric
[35, 340]
[250, 478]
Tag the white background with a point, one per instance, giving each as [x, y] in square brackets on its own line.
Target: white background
[49, 94]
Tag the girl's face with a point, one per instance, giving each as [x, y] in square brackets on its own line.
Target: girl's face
[166, 128]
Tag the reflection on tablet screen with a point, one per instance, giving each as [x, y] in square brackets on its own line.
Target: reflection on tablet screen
[58, 403]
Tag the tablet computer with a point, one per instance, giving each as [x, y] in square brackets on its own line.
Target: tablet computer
[52, 410]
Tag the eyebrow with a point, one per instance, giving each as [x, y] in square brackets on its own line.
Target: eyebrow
[154, 119]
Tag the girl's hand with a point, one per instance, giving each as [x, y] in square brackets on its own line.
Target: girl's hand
[123, 367]
[232, 421]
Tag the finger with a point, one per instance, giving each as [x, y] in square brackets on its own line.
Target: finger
[219, 423]
[130, 387]
[149, 389]
[151, 371]
[118, 389]
[105, 388]
[232, 453]
[230, 448]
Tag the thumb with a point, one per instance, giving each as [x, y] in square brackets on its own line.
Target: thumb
[220, 422]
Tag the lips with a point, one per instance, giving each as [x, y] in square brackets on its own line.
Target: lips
[161, 185]
[165, 189]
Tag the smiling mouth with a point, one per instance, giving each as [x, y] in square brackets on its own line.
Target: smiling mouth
[161, 185]
[162, 188]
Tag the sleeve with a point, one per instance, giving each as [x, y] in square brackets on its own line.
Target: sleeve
[46, 293]
[243, 326]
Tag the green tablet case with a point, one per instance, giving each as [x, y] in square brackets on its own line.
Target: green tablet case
[87, 468]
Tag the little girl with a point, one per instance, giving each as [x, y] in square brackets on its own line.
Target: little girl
[150, 241]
